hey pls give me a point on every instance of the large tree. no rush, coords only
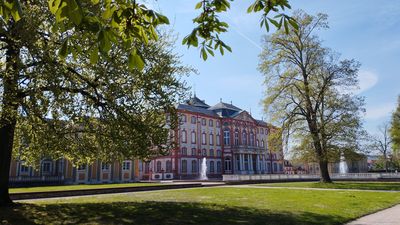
(309, 90)
(395, 130)
(76, 109)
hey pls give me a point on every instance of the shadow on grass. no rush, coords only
(169, 213)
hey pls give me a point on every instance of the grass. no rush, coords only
(223, 205)
(79, 187)
(386, 186)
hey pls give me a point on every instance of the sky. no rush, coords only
(364, 30)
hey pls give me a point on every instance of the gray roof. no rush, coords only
(223, 105)
(195, 101)
(197, 109)
(260, 122)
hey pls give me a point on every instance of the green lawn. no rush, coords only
(388, 186)
(79, 187)
(222, 205)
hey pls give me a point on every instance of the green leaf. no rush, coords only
(203, 54)
(14, 7)
(274, 22)
(285, 23)
(54, 5)
(198, 5)
(135, 60)
(64, 49)
(94, 55)
(95, 2)
(294, 24)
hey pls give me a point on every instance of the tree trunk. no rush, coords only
(8, 120)
(323, 168)
(7, 138)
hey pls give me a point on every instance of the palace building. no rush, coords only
(229, 138)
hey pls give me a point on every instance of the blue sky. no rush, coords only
(365, 30)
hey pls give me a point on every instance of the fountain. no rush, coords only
(203, 169)
(342, 165)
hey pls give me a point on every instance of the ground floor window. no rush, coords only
(158, 166)
(219, 167)
(211, 166)
(227, 164)
(105, 166)
(184, 166)
(169, 166)
(46, 167)
(194, 166)
(126, 165)
(246, 162)
(238, 162)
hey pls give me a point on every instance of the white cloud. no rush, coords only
(367, 79)
(378, 111)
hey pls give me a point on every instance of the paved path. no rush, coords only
(304, 188)
(390, 216)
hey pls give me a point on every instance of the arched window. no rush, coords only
(184, 166)
(251, 139)
(183, 118)
(257, 143)
(246, 162)
(218, 166)
(211, 123)
(262, 143)
(262, 131)
(204, 152)
(146, 167)
(244, 138)
(203, 139)
(184, 151)
(169, 166)
(211, 139)
(228, 164)
(211, 166)
(211, 152)
(218, 139)
(236, 137)
(194, 166)
(184, 136)
(226, 137)
(203, 122)
(158, 166)
(193, 120)
(193, 152)
(193, 137)
(219, 154)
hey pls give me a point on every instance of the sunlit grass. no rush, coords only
(223, 205)
(387, 186)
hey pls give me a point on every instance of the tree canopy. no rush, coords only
(129, 23)
(70, 107)
(309, 90)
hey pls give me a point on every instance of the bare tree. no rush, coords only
(381, 142)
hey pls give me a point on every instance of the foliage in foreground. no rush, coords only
(50, 107)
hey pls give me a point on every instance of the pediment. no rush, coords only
(245, 116)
